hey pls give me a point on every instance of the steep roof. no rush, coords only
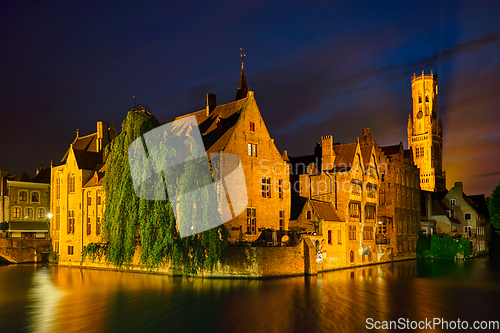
(43, 176)
(325, 210)
(85, 143)
(242, 85)
(344, 155)
(215, 136)
(390, 150)
(88, 160)
(365, 154)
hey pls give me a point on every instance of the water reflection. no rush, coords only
(62, 299)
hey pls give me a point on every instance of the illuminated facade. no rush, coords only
(425, 133)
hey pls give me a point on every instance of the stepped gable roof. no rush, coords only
(325, 210)
(43, 176)
(407, 153)
(215, 137)
(20, 177)
(344, 155)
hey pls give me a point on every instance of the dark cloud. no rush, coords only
(493, 174)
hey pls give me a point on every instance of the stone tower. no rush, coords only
(425, 134)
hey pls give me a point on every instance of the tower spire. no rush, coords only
(242, 85)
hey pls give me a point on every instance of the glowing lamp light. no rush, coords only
(49, 215)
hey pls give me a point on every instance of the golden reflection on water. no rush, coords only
(60, 299)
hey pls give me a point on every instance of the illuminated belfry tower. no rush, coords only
(425, 133)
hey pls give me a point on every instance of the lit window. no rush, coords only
(28, 213)
(453, 202)
(252, 150)
(16, 212)
(23, 196)
(40, 213)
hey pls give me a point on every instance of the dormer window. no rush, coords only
(252, 127)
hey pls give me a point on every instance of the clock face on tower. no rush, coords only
(419, 115)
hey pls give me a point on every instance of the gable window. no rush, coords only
(35, 197)
(28, 213)
(266, 187)
(467, 216)
(16, 212)
(71, 183)
(71, 222)
(252, 149)
(219, 125)
(40, 213)
(252, 127)
(282, 220)
(453, 202)
(251, 221)
(23, 196)
(308, 214)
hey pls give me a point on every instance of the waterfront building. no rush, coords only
(425, 132)
(238, 128)
(25, 205)
(76, 182)
(399, 201)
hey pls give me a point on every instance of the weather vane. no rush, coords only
(242, 54)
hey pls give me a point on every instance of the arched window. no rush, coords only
(16, 213)
(351, 256)
(427, 98)
(35, 197)
(58, 188)
(40, 213)
(28, 213)
(89, 198)
(308, 214)
(23, 196)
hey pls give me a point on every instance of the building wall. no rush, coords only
(268, 163)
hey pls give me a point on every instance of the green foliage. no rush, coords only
(131, 223)
(494, 208)
(446, 247)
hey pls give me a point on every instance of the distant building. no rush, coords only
(456, 214)
(25, 205)
(425, 133)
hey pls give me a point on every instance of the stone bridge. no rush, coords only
(19, 251)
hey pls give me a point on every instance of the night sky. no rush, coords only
(316, 69)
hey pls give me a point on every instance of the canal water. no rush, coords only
(39, 298)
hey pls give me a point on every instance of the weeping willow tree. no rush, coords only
(133, 224)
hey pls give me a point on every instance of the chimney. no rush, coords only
(102, 135)
(211, 103)
(366, 131)
(327, 152)
(459, 185)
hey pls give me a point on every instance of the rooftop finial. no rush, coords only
(77, 133)
(134, 102)
(242, 54)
